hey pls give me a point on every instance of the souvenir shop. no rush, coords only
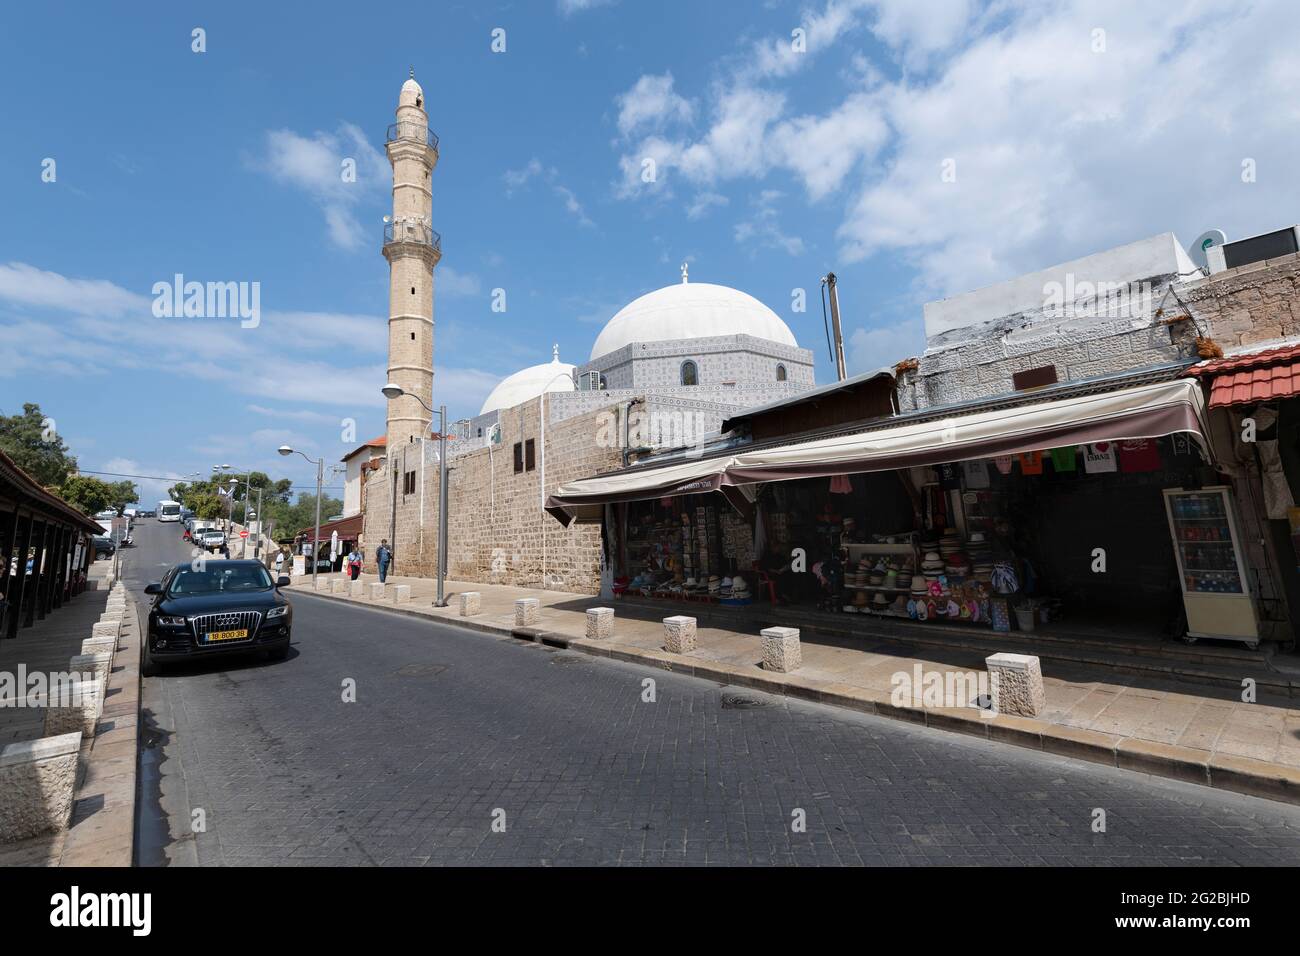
(1020, 517)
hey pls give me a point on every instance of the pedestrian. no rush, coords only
(279, 562)
(383, 558)
(354, 564)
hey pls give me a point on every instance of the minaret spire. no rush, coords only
(685, 278)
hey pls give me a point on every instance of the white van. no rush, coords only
(169, 511)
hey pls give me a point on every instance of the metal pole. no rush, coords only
(835, 325)
(315, 536)
(257, 545)
(442, 506)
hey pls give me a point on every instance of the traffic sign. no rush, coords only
(243, 534)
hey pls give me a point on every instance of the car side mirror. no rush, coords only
(282, 581)
(153, 589)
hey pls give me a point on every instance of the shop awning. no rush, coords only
(349, 528)
(1248, 379)
(585, 500)
(1150, 410)
(1145, 411)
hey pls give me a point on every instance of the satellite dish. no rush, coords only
(1199, 249)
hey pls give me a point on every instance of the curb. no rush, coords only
(1256, 778)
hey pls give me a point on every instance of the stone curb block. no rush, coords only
(38, 779)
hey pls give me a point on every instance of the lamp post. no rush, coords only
(392, 391)
(320, 479)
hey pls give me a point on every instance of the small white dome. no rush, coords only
(528, 383)
(412, 93)
(691, 310)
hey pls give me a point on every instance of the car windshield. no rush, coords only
(210, 580)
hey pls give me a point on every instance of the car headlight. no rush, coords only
(171, 621)
(280, 611)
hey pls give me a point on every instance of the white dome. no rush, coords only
(412, 94)
(691, 310)
(528, 383)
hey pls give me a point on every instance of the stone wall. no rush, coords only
(1240, 309)
(497, 530)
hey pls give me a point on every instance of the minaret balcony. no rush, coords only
(416, 232)
(417, 132)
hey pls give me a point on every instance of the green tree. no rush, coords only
(30, 440)
(87, 493)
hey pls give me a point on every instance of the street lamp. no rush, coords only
(320, 478)
(392, 391)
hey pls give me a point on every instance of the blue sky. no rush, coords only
(773, 167)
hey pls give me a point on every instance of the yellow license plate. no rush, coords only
(226, 635)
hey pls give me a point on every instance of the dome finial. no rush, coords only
(412, 72)
(685, 278)
(555, 352)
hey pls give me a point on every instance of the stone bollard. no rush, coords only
(528, 611)
(357, 588)
(38, 779)
(376, 590)
(96, 665)
(471, 602)
(73, 707)
(1017, 684)
(106, 630)
(401, 593)
(323, 583)
(98, 645)
(339, 586)
(600, 623)
(679, 634)
(781, 651)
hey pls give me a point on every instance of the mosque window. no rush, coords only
(780, 373)
(690, 373)
(519, 457)
(530, 455)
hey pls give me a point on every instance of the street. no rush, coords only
(461, 748)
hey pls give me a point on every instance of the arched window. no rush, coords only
(780, 373)
(690, 373)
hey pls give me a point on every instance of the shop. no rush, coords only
(1100, 509)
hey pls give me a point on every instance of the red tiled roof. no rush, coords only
(379, 442)
(1258, 377)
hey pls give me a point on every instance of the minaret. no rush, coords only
(412, 249)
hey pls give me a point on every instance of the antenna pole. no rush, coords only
(835, 324)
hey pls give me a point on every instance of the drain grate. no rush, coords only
(420, 670)
(741, 702)
(567, 659)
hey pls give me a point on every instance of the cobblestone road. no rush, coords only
(453, 730)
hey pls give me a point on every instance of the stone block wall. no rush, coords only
(497, 530)
(1250, 306)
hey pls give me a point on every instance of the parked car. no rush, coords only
(104, 547)
(224, 607)
(212, 540)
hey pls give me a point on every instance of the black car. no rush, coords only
(104, 547)
(216, 607)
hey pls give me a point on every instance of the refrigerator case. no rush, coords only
(1216, 591)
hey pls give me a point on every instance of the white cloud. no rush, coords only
(1060, 151)
(27, 285)
(570, 7)
(315, 164)
(516, 179)
(763, 227)
(448, 281)
(703, 202)
(652, 103)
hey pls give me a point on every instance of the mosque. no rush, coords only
(665, 370)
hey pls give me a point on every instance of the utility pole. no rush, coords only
(835, 325)
(443, 495)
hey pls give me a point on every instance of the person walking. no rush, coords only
(279, 562)
(354, 564)
(383, 558)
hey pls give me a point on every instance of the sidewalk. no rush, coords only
(102, 829)
(1198, 733)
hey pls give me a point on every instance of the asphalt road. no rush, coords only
(461, 748)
